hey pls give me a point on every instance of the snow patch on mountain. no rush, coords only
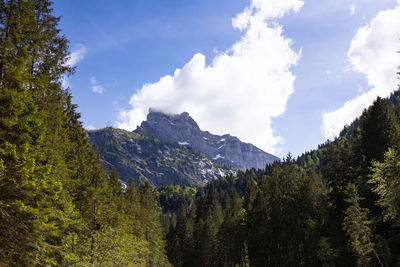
(183, 143)
(218, 156)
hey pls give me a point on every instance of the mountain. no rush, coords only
(225, 149)
(160, 162)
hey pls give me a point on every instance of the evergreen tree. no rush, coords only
(208, 221)
(32, 192)
(286, 218)
(230, 235)
(58, 205)
(180, 238)
(356, 225)
(153, 232)
(380, 130)
(386, 178)
(341, 166)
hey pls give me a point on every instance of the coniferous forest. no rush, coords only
(338, 205)
(58, 204)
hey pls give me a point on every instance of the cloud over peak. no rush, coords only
(240, 91)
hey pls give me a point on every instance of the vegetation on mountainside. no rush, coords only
(334, 206)
(158, 162)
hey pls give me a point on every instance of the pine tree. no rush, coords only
(153, 232)
(380, 130)
(386, 178)
(231, 238)
(58, 206)
(32, 194)
(286, 216)
(356, 225)
(208, 221)
(180, 239)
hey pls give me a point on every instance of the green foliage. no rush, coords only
(170, 197)
(356, 225)
(231, 234)
(306, 212)
(276, 222)
(208, 221)
(380, 130)
(285, 217)
(386, 178)
(58, 205)
(313, 159)
(326, 254)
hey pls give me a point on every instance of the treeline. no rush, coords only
(58, 205)
(338, 205)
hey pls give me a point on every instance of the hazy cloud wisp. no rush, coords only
(96, 88)
(240, 91)
(77, 55)
(353, 9)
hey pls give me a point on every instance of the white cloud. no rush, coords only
(90, 127)
(96, 88)
(353, 9)
(373, 52)
(77, 55)
(360, 89)
(240, 91)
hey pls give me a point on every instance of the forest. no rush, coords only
(338, 205)
(58, 204)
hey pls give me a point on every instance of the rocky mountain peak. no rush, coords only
(182, 129)
(183, 120)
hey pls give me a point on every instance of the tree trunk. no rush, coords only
(94, 229)
(7, 33)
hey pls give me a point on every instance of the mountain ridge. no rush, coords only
(225, 149)
(159, 162)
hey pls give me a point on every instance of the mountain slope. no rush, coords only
(224, 149)
(160, 162)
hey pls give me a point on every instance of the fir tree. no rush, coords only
(58, 205)
(379, 130)
(386, 181)
(356, 225)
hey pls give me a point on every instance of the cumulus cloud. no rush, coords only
(240, 91)
(373, 52)
(96, 88)
(77, 55)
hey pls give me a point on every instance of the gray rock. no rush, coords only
(225, 149)
(159, 162)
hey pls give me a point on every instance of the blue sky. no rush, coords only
(289, 74)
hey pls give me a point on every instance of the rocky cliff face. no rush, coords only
(226, 149)
(159, 162)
